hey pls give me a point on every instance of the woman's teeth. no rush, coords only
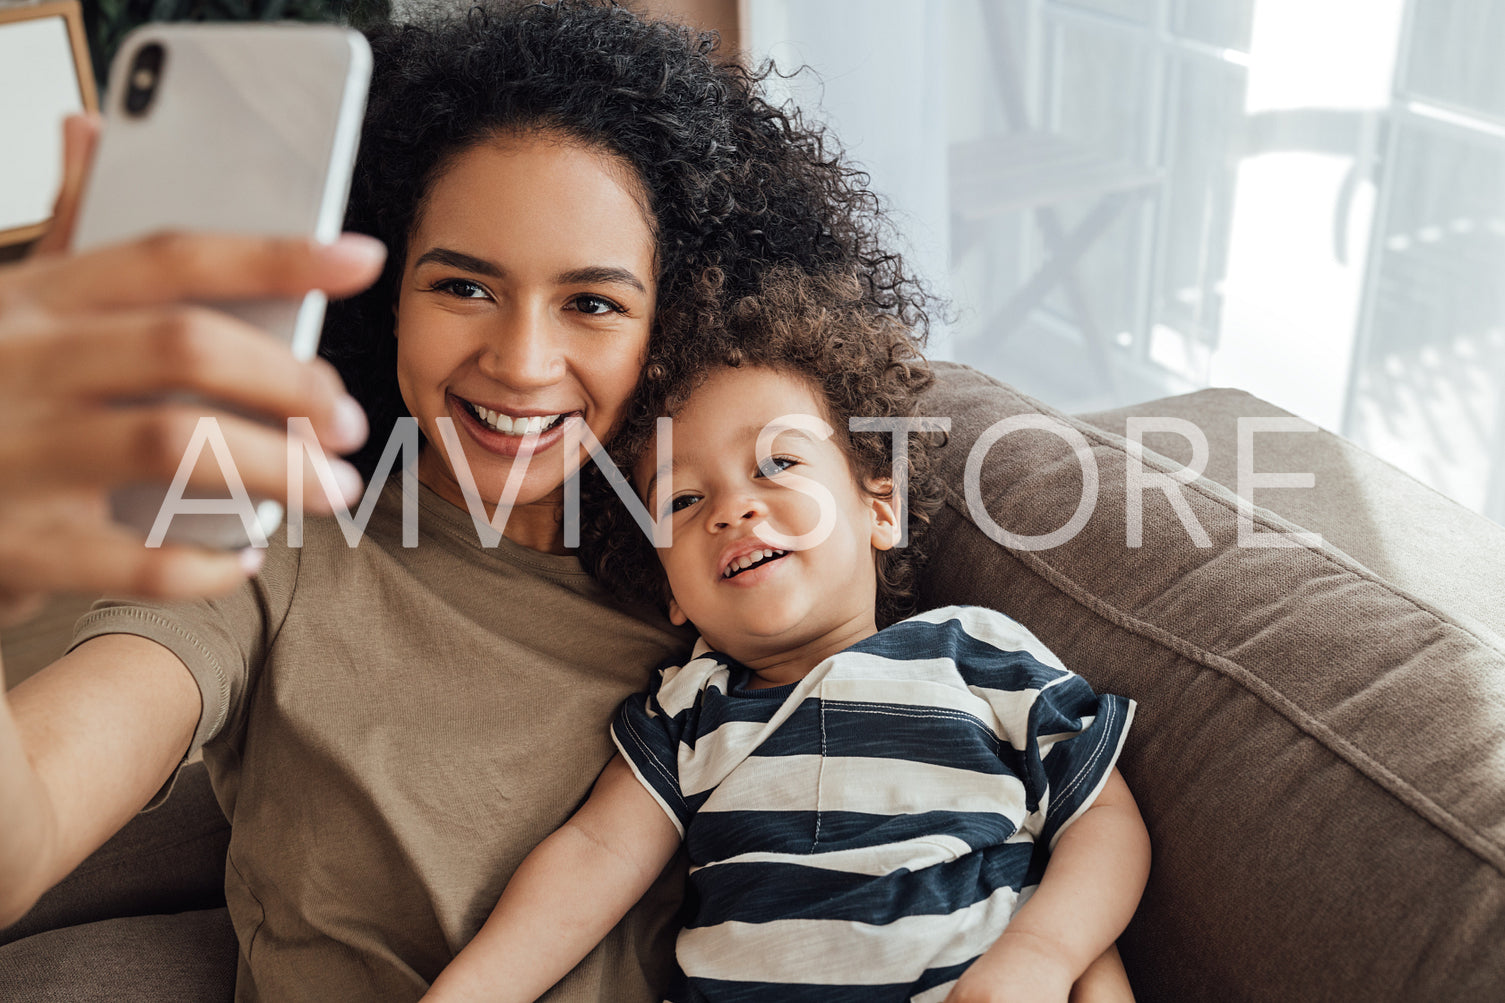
(499, 422)
(748, 560)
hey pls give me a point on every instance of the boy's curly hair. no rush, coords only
(862, 362)
(733, 185)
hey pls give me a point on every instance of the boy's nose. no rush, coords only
(738, 510)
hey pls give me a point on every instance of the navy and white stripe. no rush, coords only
(867, 832)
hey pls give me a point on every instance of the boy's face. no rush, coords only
(764, 561)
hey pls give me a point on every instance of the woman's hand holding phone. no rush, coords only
(91, 344)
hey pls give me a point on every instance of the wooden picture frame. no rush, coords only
(71, 14)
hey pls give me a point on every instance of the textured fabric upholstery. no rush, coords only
(186, 957)
(143, 918)
(1319, 754)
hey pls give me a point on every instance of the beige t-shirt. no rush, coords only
(390, 731)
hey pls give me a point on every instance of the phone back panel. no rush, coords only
(252, 129)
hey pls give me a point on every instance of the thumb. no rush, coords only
(80, 136)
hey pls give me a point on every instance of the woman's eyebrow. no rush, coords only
(595, 274)
(589, 275)
(458, 259)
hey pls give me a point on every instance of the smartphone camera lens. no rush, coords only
(141, 81)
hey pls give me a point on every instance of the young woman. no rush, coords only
(570, 198)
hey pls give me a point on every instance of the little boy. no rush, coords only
(927, 812)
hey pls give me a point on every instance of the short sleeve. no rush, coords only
(648, 737)
(1059, 737)
(220, 641)
(1073, 741)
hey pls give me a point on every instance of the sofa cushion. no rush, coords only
(131, 959)
(1319, 755)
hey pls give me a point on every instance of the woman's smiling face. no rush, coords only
(526, 298)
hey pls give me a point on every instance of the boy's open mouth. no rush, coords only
(507, 425)
(747, 562)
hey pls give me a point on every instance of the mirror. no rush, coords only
(45, 75)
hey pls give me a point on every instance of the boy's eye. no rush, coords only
(594, 306)
(776, 465)
(461, 288)
(683, 502)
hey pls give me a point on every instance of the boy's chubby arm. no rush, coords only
(566, 895)
(1086, 897)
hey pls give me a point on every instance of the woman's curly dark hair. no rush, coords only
(734, 185)
(862, 363)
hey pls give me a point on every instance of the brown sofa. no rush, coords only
(1319, 750)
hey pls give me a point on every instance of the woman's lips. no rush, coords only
(500, 443)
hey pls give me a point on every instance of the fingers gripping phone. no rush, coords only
(248, 129)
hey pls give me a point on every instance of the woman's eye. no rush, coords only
(595, 306)
(776, 465)
(683, 502)
(461, 288)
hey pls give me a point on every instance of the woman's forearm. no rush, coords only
(83, 745)
(24, 825)
(566, 896)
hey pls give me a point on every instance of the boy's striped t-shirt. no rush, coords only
(867, 832)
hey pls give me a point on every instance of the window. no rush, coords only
(1126, 199)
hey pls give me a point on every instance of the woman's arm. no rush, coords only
(84, 744)
(91, 346)
(566, 896)
(1086, 897)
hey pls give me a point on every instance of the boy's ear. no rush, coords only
(676, 615)
(884, 509)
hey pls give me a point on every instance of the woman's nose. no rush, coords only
(523, 350)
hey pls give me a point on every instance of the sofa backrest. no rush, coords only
(1389, 522)
(1319, 755)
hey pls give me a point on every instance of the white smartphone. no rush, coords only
(248, 129)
